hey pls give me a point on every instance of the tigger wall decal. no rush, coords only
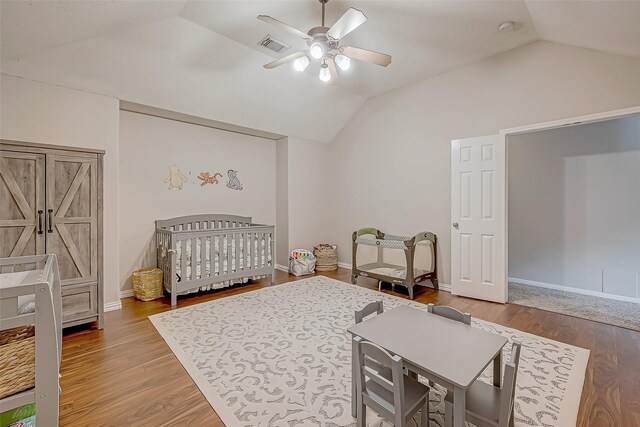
(207, 178)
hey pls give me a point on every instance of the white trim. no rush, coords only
(127, 293)
(444, 287)
(282, 268)
(573, 290)
(573, 121)
(346, 265)
(112, 306)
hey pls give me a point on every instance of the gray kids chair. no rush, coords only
(487, 405)
(398, 399)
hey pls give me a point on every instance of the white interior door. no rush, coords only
(478, 211)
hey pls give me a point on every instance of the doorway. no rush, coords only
(479, 207)
(573, 229)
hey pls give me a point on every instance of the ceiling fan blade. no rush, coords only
(366, 55)
(285, 59)
(283, 26)
(332, 69)
(348, 22)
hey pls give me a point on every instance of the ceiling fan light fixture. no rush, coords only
(316, 50)
(325, 74)
(344, 62)
(301, 63)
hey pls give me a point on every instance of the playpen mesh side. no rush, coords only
(392, 251)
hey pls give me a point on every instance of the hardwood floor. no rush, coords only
(125, 375)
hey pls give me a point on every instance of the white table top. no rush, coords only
(448, 349)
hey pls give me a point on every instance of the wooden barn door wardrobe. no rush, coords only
(51, 203)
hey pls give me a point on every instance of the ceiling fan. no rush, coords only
(324, 45)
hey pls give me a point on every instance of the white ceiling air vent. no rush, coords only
(273, 44)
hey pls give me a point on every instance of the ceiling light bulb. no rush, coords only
(344, 62)
(325, 75)
(301, 63)
(316, 50)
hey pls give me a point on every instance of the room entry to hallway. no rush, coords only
(573, 228)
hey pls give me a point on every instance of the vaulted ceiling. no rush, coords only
(203, 57)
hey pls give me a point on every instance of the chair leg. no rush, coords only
(411, 292)
(424, 414)
(448, 414)
(362, 413)
(512, 418)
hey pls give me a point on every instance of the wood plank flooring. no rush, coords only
(125, 375)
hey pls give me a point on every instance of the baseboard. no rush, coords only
(127, 293)
(445, 287)
(573, 290)
(344, 265)
(282, 268)
(112, 306)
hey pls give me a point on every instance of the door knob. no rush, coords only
(455, 224)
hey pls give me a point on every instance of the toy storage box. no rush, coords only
(302, 262)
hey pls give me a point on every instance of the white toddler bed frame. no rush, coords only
(30, 295)
(219, 250)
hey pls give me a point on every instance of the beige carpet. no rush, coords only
(281, 356)
(618, 313)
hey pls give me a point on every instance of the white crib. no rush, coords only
(202, 252)
(30, 295)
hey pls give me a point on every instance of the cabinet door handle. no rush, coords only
(50, 230)
(40, 212)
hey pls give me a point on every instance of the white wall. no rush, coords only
(47, 114)
(309, 197)
(304, 199)
(390, 165)
(282, 201)
(574, 206)
(149, 145)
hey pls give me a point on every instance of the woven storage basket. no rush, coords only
(326, 257)
(17, 360)
(147, 284)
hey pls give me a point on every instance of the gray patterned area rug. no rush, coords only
(281, 356)
(613, 312)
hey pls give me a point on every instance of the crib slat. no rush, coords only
(214, 257)
(253, 250)
(203, 257)
(258, 255)
(191, 260)
(259, 249)
(245, 253)
(220, 254)
(236, 259)
(183, 260)
(229, 252)
(271, 244)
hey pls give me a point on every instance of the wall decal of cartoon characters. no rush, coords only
(207, 178)
(175, 179)
(233, 182)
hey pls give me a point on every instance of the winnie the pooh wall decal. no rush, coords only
(233, 182)
(207, 178)
(175, 179)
